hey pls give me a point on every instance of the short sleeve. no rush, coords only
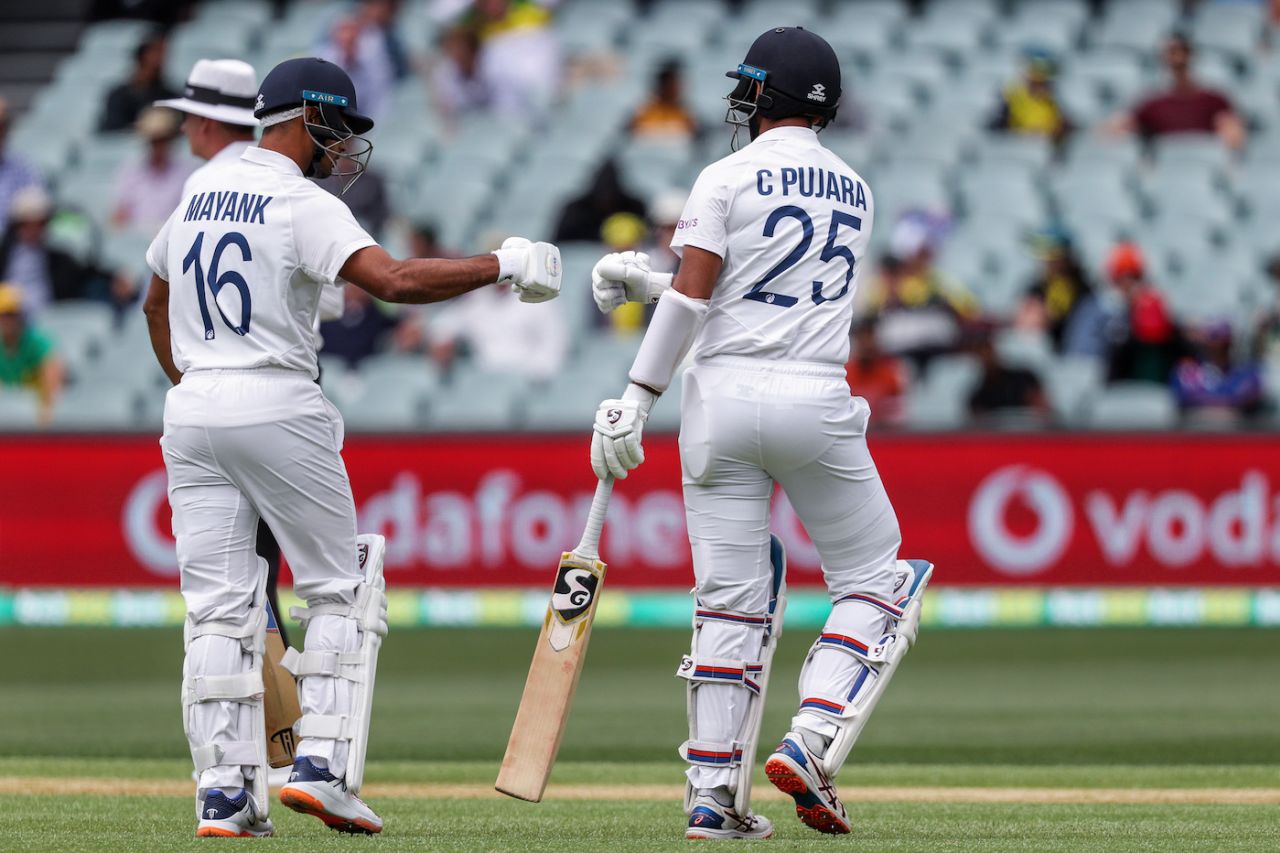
(326, 234)
(705, 221)
(158, 251)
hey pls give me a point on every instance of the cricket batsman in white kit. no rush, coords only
(248, 434)
(772, 241)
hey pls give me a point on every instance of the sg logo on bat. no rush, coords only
(574, 591)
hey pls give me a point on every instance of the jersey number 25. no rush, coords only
(217, 282)
(830, 252)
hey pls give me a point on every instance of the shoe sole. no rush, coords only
(218, 832)
(727, 837)
(304, 803)
(809, 808)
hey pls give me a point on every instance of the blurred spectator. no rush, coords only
(502, 334)
(1001, 388)
(584, 216)
(1031, 105)
(664, 115)
(519, 61)
(43, 274)
(366, 46)
(147, 191)
(1060, 301)
(877, 377)
(363, 329)
(424, 242)
(1208, 384)
(367, 197)
(144, 86)
(456, 84)
(15, 172)
(1149, 342)
(1185, 107)
(27, 357)
(919, 314)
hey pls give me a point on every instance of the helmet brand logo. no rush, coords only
(818, 93)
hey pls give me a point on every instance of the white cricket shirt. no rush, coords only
(793, 223)
(246, 254)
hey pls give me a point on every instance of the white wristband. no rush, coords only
(643, 397)
(510, 263)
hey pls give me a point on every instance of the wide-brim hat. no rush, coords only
(219, 89)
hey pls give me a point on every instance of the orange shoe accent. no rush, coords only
(219, 832)
(817, 817)
(304, 803)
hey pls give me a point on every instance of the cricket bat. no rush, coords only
(280, 698)
(557, 662)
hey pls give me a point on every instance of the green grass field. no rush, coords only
(988, 741)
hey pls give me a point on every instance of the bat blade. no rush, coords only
(279, 700)
(553, 679)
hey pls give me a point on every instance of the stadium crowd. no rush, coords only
(1078, 238)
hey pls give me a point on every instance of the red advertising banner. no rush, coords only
(1048, 510)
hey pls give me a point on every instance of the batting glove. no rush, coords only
(615, 444)
(532, 269)
(625, 277)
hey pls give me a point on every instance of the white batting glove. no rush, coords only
(532, 269)
(625, 277)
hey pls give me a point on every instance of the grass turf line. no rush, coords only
(143, 824)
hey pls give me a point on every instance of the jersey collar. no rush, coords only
(272, 160)
(788, 132)
(232, 151)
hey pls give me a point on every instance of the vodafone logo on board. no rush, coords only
(1236, 527)
(1016, 553)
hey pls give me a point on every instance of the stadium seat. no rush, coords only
(1070, 384)
(1135, 25)
(18, 409)
(1234, 28)
(96, 406)
(1024, 348)
(1133, 406)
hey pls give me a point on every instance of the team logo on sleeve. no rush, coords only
(575, 589)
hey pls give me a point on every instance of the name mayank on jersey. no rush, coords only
(230, 206)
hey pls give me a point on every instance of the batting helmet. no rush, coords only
(788, 71)
(295, 85)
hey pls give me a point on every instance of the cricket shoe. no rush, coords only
(223, 817)
(711, 820)
(794, 769)
(315, 791)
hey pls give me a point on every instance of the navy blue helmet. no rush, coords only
(787, 72)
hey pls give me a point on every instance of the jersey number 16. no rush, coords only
(830, 252)
(217, 282)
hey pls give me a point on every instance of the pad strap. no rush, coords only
(703, 614)
(369, 610)
(348, 665)
(325, 726)
(828, 704)
(880, 604)
(711, 753)
(876, 654)
(251, 633)
(241, 687)
(236, 752)
(721, 671)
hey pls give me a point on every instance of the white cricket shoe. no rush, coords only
(794, 769)
(711, 820)
(224, 817)
(315, 791)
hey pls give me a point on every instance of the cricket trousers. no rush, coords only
(242, 446)
(747, 424)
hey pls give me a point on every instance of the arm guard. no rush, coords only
(671, 332)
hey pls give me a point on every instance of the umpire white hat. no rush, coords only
(219, 89)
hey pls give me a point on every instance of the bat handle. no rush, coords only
(589, 547)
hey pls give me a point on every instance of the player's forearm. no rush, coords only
(419, 280)
(156, 309)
